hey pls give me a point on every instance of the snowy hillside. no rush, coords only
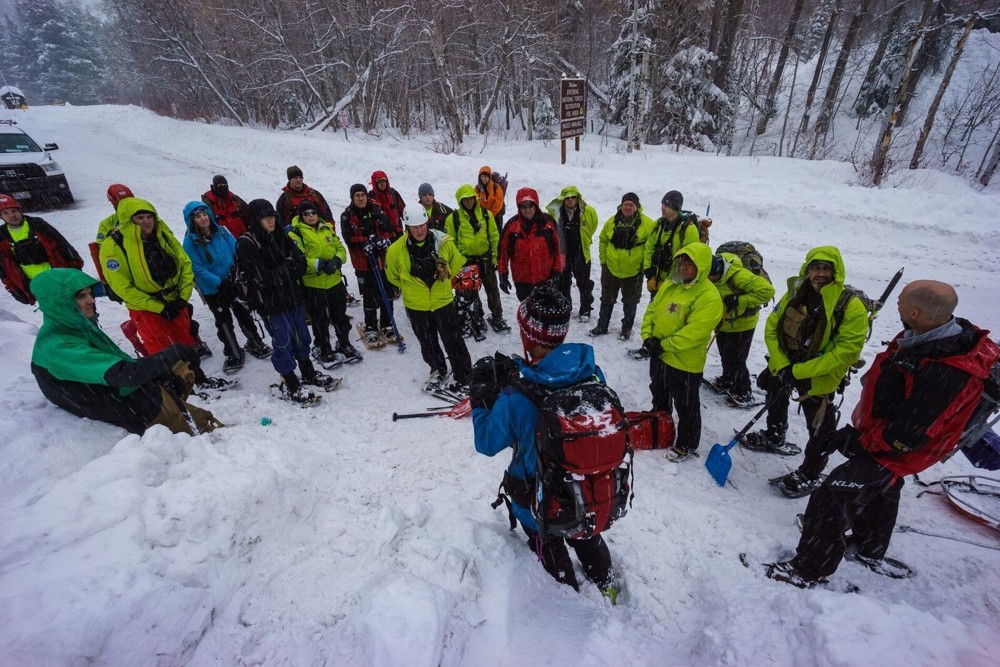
(336, 536)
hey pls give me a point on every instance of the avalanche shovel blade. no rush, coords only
(719, 462)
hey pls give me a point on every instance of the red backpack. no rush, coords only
(584, 460)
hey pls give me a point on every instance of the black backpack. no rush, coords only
(748, 254)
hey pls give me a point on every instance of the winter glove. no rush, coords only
(139, 372)
(370, 244)
(226, 290)
(172, 309)
(764, 379)
(490, 375)
(731, 303)
(652, 346)
(441, 264)
(786, 379)
(652, 285)
(846, 440)
(504, 282)
(330, 266)
(383, 244)
(182, 378)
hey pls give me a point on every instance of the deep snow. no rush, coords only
(336, 536)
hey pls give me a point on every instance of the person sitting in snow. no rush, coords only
(81, 370)
(916, 400)
(505, 417)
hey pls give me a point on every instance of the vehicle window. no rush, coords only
(18, 143)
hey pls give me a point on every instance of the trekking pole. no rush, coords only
(877, 305)
(400, 345)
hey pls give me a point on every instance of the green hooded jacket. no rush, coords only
(68, 345)
(624, 262)
(483, 242)
(825, 371)
(752, 292)
(125, 266)
(316, 243)
(588, 217)
(683, 316)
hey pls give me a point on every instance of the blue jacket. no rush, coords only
(212, 257)
(513, 419)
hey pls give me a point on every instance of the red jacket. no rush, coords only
(916, 401)
(358, 227)
(390, 201)
(288, 204)
(230, 212)
(60, 254)
(531, 249)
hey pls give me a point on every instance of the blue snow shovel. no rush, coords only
(719, 462)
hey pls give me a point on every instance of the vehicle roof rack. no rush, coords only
(7, 121)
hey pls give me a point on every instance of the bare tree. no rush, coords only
(769, 109)
(833, 87)
(817, 73)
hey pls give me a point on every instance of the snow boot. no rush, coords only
(292, 390)
(313, 377)
(603, 320)
(202, 348)
(258, 348)
(796, 485)
(350, 353)
(627, 322)
(786, 572)
(233, 362)
(497, 323)
(769, 440)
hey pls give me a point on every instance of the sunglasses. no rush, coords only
(310, 212)
(526, 206)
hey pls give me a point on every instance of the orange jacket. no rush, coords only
(490, 197)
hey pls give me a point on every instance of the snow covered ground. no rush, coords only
(336, 536)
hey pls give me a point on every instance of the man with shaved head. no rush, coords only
(916, 400)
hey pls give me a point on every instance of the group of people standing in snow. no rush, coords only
(285, 263)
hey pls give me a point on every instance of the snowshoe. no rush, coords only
(322, 380)
(434, 382)
(218, 384)
(764, 441)
(639, 354)
(233, 363)
(479, 329)
(301, 396)
(350, 354)
(887, 567)
(352, 300)
(389, 334)
(677, 454)
(497, 323)
(260, 350)
(370, 338)
(584, 316)
(785, 572)
(598, 331)
(328, 358)
(744, 401)
(719, 385)
(456, 389)
(625, 333)
(795, 484)
(202, 348)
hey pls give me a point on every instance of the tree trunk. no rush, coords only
(817, 74)
(986, 174)
(779, 70)
(925, 131)
(833, 88)
(885, 141)
(726, 43)
(883, 44)
(714, 31)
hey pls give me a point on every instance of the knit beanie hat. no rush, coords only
(261, 208)
(219, 179)
(544, 317)
(358, 187)
(306, 205)
(673, 199)
(293, 172)
(425, 189)
(632, 197)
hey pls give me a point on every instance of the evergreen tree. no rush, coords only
(816, 29)
(625, 67)
(545, 119)
(681, 111)
(876, 92)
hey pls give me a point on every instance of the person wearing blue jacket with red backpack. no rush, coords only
(504, 417)
(212, 249)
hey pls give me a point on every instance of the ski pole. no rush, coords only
(401, 346)
(877, 305)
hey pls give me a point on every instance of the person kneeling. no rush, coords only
(81, 370)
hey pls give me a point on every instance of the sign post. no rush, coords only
(572, 112)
